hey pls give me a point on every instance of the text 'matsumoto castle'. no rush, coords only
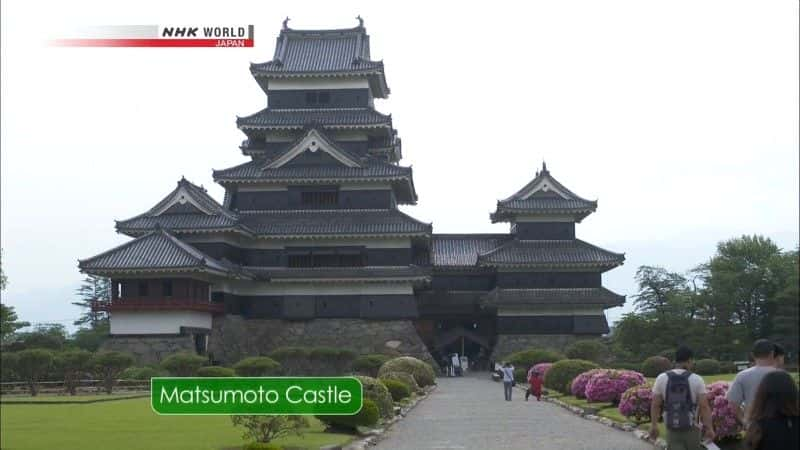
(308, 246)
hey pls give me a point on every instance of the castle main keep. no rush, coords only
(308, 246)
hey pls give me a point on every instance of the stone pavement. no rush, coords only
(470, 413)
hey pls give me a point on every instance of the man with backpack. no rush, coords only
(681, 396)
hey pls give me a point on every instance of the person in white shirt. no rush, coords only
(743, 389)
(670, 392)
(508, 380)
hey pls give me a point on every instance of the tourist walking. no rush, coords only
(779, 357)
(773, 414)
(743, 389)
(456, 365)
(681, 396)
(534, 385)
(508, 380)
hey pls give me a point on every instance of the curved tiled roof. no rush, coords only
(181, 216)
(561, 296)
(254, 171)
(343, 52)
(325, 117)
(550, 253)
(156, 251)
(461, 250)
(283, 223)
(542, 196)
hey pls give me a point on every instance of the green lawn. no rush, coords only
(130, 424)
(69, 398)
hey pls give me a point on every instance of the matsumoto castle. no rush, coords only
(308, 246)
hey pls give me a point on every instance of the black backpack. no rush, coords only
(678, 405)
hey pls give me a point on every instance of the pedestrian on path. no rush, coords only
(743, 389)
(508, 380)
(535, 385)
(681, 395)
(774, 414)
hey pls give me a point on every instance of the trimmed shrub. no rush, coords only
(369, 364)
(293, 360)
(397, 389)
(367, 417)
(72, 364)
(635, 402)
(578, 386)
(655, 365)
(621, 365)
(520, 375)
(32, 365)
(328, 361)
(183, 364)
(257, 366)
(559, 377)
(140, 373)
(609, 385)
(668, 353)
(422, 372)
(592, 350)
(8, 365)
(109, 365)
(377, 392)
(215, 371)
(528, 358)
(402, 377)
(706, 367)
(263, 429)
(727, 367)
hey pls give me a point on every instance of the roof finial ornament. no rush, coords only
(286, 23)
(360, 21)
(544, 166)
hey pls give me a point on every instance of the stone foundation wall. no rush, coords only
(510, 343)
(149, 349)
(233, 338)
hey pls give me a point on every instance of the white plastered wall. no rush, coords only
(157, 322)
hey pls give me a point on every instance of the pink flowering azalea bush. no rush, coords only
(723, 412)
(542, 368)
(635, 402)
(578, 387)
(608, 386)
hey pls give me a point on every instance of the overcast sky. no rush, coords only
(680, 117)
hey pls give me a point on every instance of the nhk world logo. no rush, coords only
(158, 36)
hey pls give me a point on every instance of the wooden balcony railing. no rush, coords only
(158, 304)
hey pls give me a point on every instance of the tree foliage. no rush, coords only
(268, 428)
(747, 290)
(32, 365)
(109, 364)
(9, 324)
(72, 364)
(92, 289)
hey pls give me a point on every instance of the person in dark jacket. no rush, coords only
(773, 421)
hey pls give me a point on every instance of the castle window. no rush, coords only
(311, 98)
(324, 97)
(166, 288)
(319, 198)
(143, 289)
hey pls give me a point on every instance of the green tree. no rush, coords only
(744, 278)
(91, 338)
(183, 364)
(3, 278)
(93, 289)
(658, 290)
(32, 365)
(109, 365)
(9, 323)
(72, 364)
(52, 336)
(786, 324)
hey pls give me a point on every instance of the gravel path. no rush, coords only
(470, 413)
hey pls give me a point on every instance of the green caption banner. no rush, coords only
(257, 395)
